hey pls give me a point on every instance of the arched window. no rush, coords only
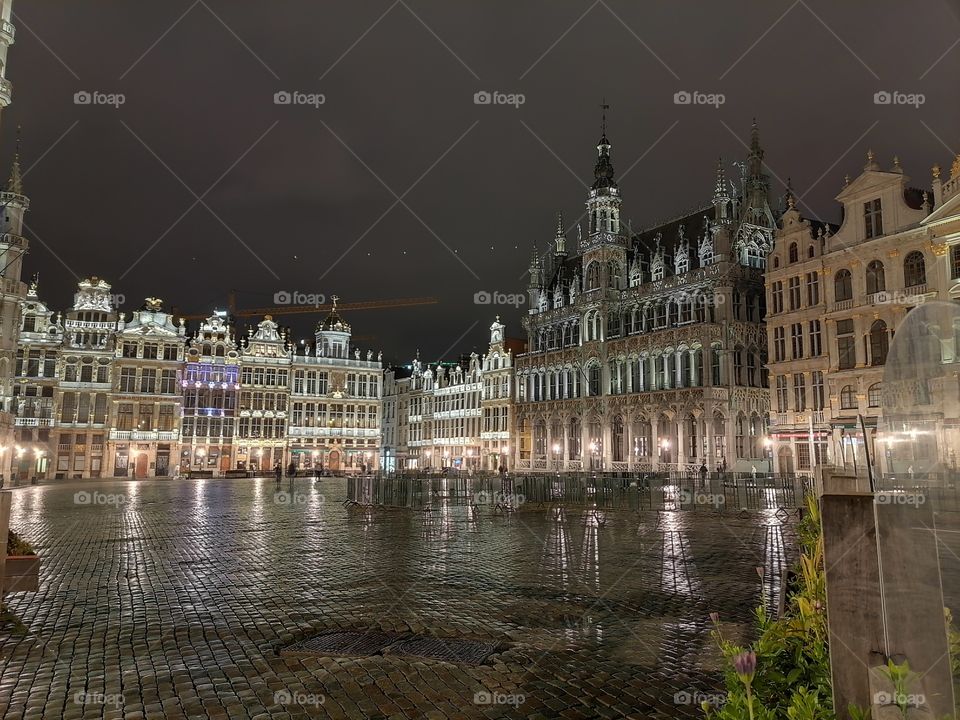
(593, 276)
(776, 261)
(879, 342)
(752, 256)
(843, 285)
(617, 439)
(848, 398)
(876, 281)
(794, 253)
(914, 269)
(594, 375)
(811, 252)
(874, 395)
(574, 439)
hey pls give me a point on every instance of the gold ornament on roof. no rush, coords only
(955, 168)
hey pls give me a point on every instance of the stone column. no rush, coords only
(566, 443)
(629, 448)
(678, 370)
(629, 367)
(711, 460)
(693, 369)
(644, 385)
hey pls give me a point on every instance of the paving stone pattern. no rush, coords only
(176, 602)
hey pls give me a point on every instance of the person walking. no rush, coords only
(703, 475)
(292, 470)
(278, 471)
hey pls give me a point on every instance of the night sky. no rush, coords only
(308, 190)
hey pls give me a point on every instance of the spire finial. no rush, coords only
(15, 183)
(603, 117)
(335, 298)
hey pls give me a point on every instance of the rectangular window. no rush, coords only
(779, 344)
(166, 418)
(846, 345)
(816, 339)
(813, 289)
(955, 262)
(817, 377)
(873, 219)
(796, 340)
(128, 379)
(150, 352)
(168, 381)
(148, 381)
(125, 416)
(778, 297)
(782, 393)
(170, 352)
(799, 392)
(794, 293)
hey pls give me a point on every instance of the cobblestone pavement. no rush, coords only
(175, 602)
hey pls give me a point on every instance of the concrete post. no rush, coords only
(884, 597)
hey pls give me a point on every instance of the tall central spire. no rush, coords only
(603, 170)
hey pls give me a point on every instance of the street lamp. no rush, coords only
(768, 451)
(664, 449)
(429, 454)
(556, 456)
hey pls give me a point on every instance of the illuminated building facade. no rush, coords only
(335, 415)
(146, 403)
(648, 350)
(210, 385)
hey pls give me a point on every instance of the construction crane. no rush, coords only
(279, 310)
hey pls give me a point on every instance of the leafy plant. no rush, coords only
(16, 545)
(791, 678)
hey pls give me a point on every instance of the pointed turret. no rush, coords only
(15, 182)
(603, 201)
(560, 240)
(721, 195)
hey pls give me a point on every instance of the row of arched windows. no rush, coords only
(914, 275)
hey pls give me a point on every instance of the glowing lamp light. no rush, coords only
(556, 448)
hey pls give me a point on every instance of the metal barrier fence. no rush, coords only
(645, 491)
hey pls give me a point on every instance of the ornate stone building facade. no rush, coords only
(451, 415)
(497, 401)
(647, 350)
(335, 400)
(836, 298)
(265, 357)
(211, 385)
(146, 404)
(85, 382)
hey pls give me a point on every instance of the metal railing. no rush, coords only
(722, 492)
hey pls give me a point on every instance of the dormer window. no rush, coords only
(872, 219)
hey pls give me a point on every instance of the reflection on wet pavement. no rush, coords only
(172, 599)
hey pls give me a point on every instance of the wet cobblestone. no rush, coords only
(176, 602)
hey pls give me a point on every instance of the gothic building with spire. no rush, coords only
(647, 349)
